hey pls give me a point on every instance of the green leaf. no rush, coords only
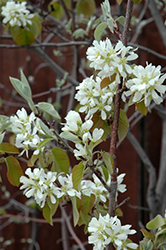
(2, 137)
(137, 1)
(163, 247)
(123, 125)
(108, 160)
(22, 36)
(32, 160)
(46, 130)
(99, 30)
(121, 20)
(87, 203)
(61, 159)
(141, 107)
(14, 170)
(69, 136)
(48, 211)
(49, 108)
(157, 222)
(85, 7)
(77, 174)
(3, 123)
(23, 88)
(146, 245)
(105, 173)
(160, 238)
(44, 143)
(8, 148)
(35, 27)
(79, 33)
(75, 210)
(84, 219)
(5, 126)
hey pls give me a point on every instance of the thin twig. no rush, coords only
(150, 51)
(54, 66)
(28, 218)
(127, 22)
(44, 44)
(123, 202)
(77, 240)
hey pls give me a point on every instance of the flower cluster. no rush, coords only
(41, 185)
(109, 60)
(16, 14)
(114, 62)
(27, 130)
(96, 187)
(80, 134)
(107, 230)
(146, 85)
(94, 99)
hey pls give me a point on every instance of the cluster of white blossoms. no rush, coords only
(80, 134)
(140, 83)
(94, 99)
(27, 130)
(96, 187)
(107, 230)
(41, 185)
(109, 60)
(16, 14)
(146, 85)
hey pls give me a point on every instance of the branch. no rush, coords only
(158, 20)
(25, 218)
(161, 183)
(127, 22)
(55, 67)
(151, 195)
(150, 51)
(45, 44)
(77, 240)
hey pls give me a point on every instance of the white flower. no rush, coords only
(120, 187)
(80, 151)
(66, 188)
(73, 121)
(107, 230)
(146, 85)
(94, 99)
(39, 185)
(97, 134)
(111, 60)
(27, 130)
(15, 13)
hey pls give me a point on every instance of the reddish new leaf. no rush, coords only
(14, 170)
(107, 80)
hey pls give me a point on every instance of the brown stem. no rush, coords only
(113, 149)
(114, 133)
(125, 32)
